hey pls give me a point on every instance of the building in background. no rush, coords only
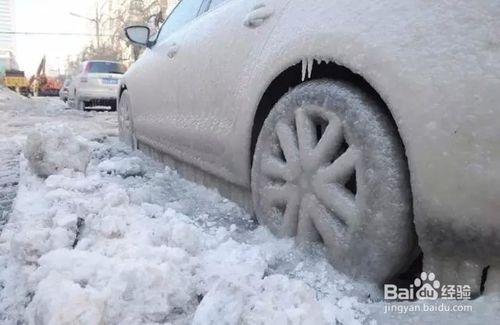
(7, 41)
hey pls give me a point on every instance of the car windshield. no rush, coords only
(106, 67)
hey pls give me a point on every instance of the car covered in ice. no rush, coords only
(371, 127)
(96, 85)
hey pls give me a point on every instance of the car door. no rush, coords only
(152, 82)
(215, 50)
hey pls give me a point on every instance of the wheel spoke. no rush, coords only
(291, 215)
(275, 169)
(278, 194)
(329, 226)
(330, 142)
(288, 142)
(306, 134)
(306, 232)
(341, 170)
(340, 201)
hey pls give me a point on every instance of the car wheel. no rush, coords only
(329, 167)
(79, 104)
(125, 123)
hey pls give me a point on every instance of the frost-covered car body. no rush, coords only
(96, 85)
(201, 93)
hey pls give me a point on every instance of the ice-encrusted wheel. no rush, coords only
(125, 123)
(329, 166)
(79, 104)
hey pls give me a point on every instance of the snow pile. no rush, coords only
(7, 96)
(273, 300)
(51, 149)
(107, 248)
(125, 167)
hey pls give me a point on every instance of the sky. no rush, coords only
(50, 16)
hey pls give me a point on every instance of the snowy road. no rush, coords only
(130, 242)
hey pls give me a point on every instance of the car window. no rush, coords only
(106, 67)
(185, 11)
(216, 3)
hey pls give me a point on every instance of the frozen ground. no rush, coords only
(129, 242)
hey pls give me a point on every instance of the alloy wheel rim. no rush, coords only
(310, 185)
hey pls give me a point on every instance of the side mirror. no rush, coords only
(139, 35)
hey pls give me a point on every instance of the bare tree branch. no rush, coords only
(112, 16)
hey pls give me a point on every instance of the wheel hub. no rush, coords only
(312, 171)
(304, 182)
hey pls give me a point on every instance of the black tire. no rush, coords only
(329, 167)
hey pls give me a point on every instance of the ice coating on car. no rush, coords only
(435, 65)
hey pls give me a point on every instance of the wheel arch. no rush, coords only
(298, 73)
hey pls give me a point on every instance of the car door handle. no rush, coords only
(258, 16)
(172, 50)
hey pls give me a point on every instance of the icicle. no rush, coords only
(307, 68)
(310, 64)
(304, 69)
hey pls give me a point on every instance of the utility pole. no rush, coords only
(97, 21)
(97, 27)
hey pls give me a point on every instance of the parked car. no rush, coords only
(64, 92)
(95, 86)
(369, 127)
